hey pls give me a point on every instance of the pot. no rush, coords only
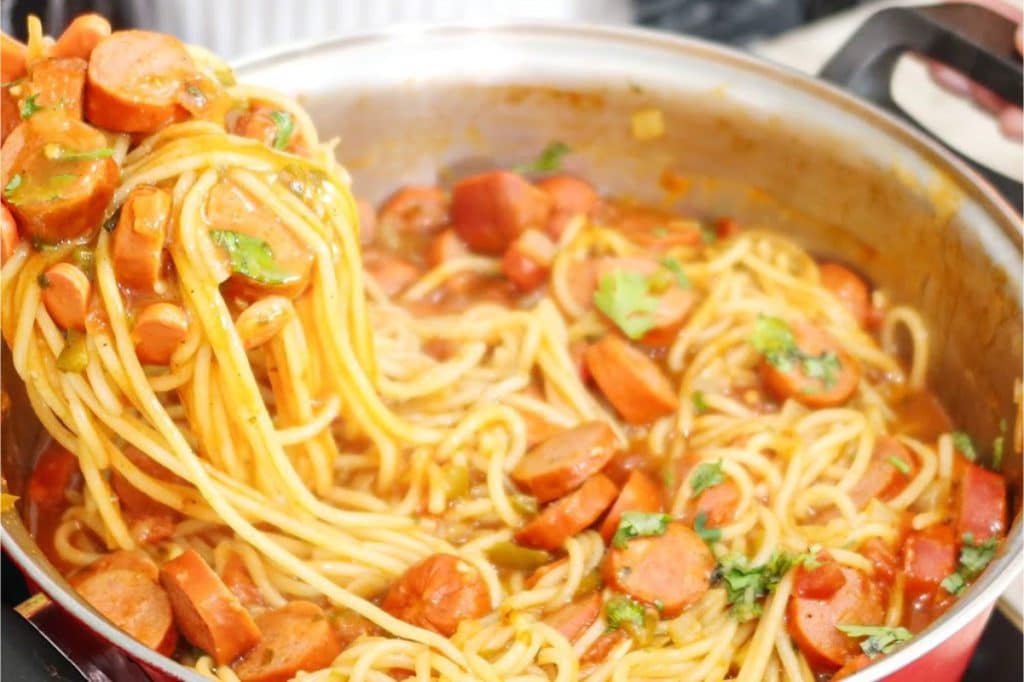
(741, 138)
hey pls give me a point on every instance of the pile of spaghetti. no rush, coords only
(550, 436)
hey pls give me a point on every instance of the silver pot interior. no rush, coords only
(748, 140)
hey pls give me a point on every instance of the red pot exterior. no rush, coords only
(948, 661)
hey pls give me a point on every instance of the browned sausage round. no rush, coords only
(569, 515)
(883, 479)
(670, 571)
(209, 615)
(813, 392)
(9, 238)
(563, 462)
(159, 329)
(134, 81)
(633, 384)
(849, 288)
(575, 617)
(232, 211)
(66, 292)
(132, 601)
(491, 209)
(570, 197)
(56, 84)
(296, 637)
(640, 494)
(812, 622)
(13, 57)
(125, 559)
(438, 593)
(236, 577)
(58, 193)
(416, 208)
(81, 36)
(138, 243)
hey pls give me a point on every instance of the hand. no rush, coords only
(1009, 116)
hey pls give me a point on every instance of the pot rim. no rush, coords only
(982, 594)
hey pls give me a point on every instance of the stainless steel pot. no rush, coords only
(752, 140)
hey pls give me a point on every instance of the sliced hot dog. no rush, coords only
(575, 617)
(632, 383)
(139, 237)
(9, 238)
(882, 558)
(570, 197)
(849, 288)
(159, 329)
(392, 274)
(883, 479)
(812, 622)
(527, 260)
(603, 645)
(52, 476)
(296, 637)
(438, 593)
(61, 194)
(640, 493)
(134, 602)
(981, 504)
(670, 571)
(416, 208)
(928, 557)
(149, 521)
(125, 559)
(13, 56)
(718, 503)
(56, 84)
(563, 462)
(81, 36)
(444, 247)
(569, 515)
(134, 81)
(854, 665)
(793, 381)
(490, 210)
(236, 577)
(820, 582)
(66, 292)
(208, 614)
(231, 211)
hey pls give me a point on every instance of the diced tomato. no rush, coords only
(928, 557)
(52, 476)
(820, 582)
(981, 504)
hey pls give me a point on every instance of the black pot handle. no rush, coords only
(969, 38)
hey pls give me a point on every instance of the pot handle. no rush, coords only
(969, 38)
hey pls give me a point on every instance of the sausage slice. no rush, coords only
(640, 493)
(669, 571)
(416, 208)
(570, 197)
(134, 81)
(66, 292)
(489, 210)
(981, 503)
(296, 637)
(438, 593)
(718, 503)
(883, 479)
(632, 383)
(59, 194)
(13, 57)
(139, 237)
(849, 288)
(57, 84)
(81, 36)
(9, 238)
(159, 329)
(574, 618)
(815, 392)
(563, 462)
(52, 476)
(134, 602)
(569, 515)
(812, 622)
(210, 617)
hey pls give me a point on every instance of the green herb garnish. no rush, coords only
(29, 106)
(550, 159)
(974, 557)
(251, 257)
(58, 152)
(998, 445)
(708, 535)
(746, 586)
(700, 404)
(75, 356)
(625, 298)
(706, 475)
(623, 611)
(676, 268)
(963, 443)
(634, 524)
(13, 184)
(775, 341)
(285, 128)
(900, 464)
(880, 639)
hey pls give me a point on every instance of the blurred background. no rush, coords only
(801, 34)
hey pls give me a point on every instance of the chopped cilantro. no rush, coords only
(43, 281)
(821, 367)
(285, 128)
(196, 93)
(963, 443)
(58, 152)
(900, 464)
(634, 524)
(676, 268)
(624, 297)
(660, 232)
(29, 106)
(251, 257)
(880, 639)
(773, 339)
(998, 445)
(550, 159)
(623, 611)
(699, 403)
(974, 557)
(13, 184)
(746, 586)
(708, 535)
(708, 234)
(706, 474)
